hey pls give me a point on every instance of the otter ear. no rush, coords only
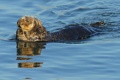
(18, 23)
(37, 22)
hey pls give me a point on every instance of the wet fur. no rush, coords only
(31, 29)
(37, 33)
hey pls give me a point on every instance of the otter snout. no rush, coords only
(26, 23)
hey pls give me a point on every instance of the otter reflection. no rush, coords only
(27, 49)
(29, 64)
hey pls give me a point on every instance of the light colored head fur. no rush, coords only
(27, 23)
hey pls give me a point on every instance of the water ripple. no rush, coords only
(96, 58)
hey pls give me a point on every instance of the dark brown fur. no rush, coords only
(97, 24)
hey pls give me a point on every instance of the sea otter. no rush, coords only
(31, 29)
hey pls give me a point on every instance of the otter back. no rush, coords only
(73, 32)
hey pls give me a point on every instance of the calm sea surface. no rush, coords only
(97, 58)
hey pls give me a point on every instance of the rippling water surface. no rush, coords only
(97, 58)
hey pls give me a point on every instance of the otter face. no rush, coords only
(26, 23)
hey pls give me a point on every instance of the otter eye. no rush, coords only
(21, 24)
(27, 21)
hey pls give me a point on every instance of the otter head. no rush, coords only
(30, 29)
(26, 23)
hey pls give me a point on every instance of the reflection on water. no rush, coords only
(29, 64)
(27, 79)
(27, 49)
(23, 58)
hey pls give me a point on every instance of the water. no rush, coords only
(96, 58)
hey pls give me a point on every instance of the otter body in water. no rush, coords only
(31, 29)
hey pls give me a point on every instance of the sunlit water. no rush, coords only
(97, 58)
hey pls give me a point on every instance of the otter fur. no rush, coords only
(31, 29)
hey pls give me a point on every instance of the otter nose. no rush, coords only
(26, 25)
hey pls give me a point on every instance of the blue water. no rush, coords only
(97, 58)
